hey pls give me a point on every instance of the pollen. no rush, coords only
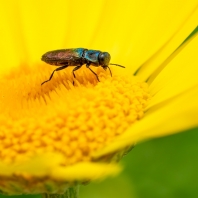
(72, 116)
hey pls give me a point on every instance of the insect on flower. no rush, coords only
(77, 57)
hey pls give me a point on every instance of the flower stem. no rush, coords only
(70, 193)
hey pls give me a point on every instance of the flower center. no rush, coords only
(75, 120)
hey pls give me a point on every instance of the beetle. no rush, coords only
(77, 57)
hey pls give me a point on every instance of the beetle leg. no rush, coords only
(76, 68)
(92, 72)
(60, 68)
(108, 69)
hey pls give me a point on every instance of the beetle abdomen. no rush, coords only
(64, 57)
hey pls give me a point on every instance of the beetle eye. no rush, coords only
(101, 58)
(104, 58)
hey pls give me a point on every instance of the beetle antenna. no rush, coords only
(117, 65)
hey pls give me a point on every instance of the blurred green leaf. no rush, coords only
(165, 167)
(118, 187)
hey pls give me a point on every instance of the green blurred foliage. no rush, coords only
(119, 187)
(165, 167)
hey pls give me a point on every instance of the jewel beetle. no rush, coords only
(77, 57)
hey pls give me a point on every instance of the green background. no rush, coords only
(161, 168)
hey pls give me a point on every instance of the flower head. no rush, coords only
(73, 130)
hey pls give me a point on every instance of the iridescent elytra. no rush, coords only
(77, 57)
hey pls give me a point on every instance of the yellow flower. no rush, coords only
(58, 135)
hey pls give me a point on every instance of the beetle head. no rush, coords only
(104, 59)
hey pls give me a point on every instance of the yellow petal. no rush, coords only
(43, 165)
(131, 36)
(148, 27)
(178, 75)
(45, 173)
(91, 171)
(152, 64)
